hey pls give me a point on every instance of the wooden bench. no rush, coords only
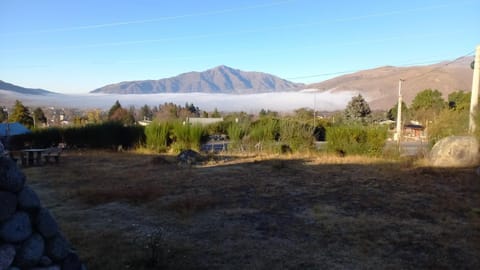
(52, 153)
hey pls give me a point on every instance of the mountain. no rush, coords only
(22, 90)
(380, 85)
(221, 79)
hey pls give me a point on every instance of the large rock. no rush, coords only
(28, 199)
(58, 248)
(17, 228)
(455, 151)
(46, 224)
(188, 157)
(11, 178)
(8, 203)
(72, 262)
(7, 254)
(31, 251)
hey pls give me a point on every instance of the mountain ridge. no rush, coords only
(220, 79)
(23, 90)
(380, 85)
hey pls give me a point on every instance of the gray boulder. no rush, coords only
(72, 262)
(31, 251)
(46, 224)
(188, 157)
(28, 199)
(455, 151)
(11, 178)
(57, 248)
(17, 228)
(7, 254)
(8, 202)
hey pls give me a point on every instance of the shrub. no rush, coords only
(187, 136)
(157, 136)
(356, 139)
(448, 122)
(298, 136)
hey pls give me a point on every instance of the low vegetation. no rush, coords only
(136, 211)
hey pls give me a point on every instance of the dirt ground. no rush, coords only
(136, 211)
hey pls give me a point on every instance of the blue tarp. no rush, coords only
(12, 129)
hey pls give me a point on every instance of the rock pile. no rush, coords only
(29, 235)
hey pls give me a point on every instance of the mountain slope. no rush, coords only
(221, 79)
(22, 90)
(380, 85)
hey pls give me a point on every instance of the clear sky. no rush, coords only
(79, 45)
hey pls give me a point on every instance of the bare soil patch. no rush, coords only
(132, 211)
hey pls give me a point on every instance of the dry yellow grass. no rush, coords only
(265, 211)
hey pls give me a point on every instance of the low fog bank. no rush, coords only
(280, 101)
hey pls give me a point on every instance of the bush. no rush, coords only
(356, 139)
(106, 135)
(187, 136)
(298, 136)
(448, 123)
(157, 136)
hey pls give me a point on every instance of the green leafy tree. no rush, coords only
(21, 114)
(459, 100)
(146, 112)
(427, 104)
(39, 116)
(357, 109)
(392, 113)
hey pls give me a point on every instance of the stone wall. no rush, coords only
(29, 235)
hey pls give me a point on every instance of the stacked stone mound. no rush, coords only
(29, 235)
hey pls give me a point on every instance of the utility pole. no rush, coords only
(314, 108)
(398, 133)
(475, 86)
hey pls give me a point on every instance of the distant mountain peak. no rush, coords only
(220, 79)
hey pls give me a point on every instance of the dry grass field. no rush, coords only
(139, 211)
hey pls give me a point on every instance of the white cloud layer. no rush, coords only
(280, 101)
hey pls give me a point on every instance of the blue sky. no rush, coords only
(77, 46)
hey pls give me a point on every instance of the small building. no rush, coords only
(414, 131)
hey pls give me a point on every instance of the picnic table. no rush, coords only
(32, 156)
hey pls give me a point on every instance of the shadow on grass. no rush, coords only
(276, 212)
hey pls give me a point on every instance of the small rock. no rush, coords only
(28, 199)
(7, 254)
(57, 248)
(72, 262)
(8, 202)
(46, 224)
(17, 228)
(31, 251)
(11, 178)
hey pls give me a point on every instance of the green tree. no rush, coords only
(21, 114)
(392, 113)
(459, 100)
(146, 112)
(115, 107)
(39, 116)
(357, 109)
(427, 104)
